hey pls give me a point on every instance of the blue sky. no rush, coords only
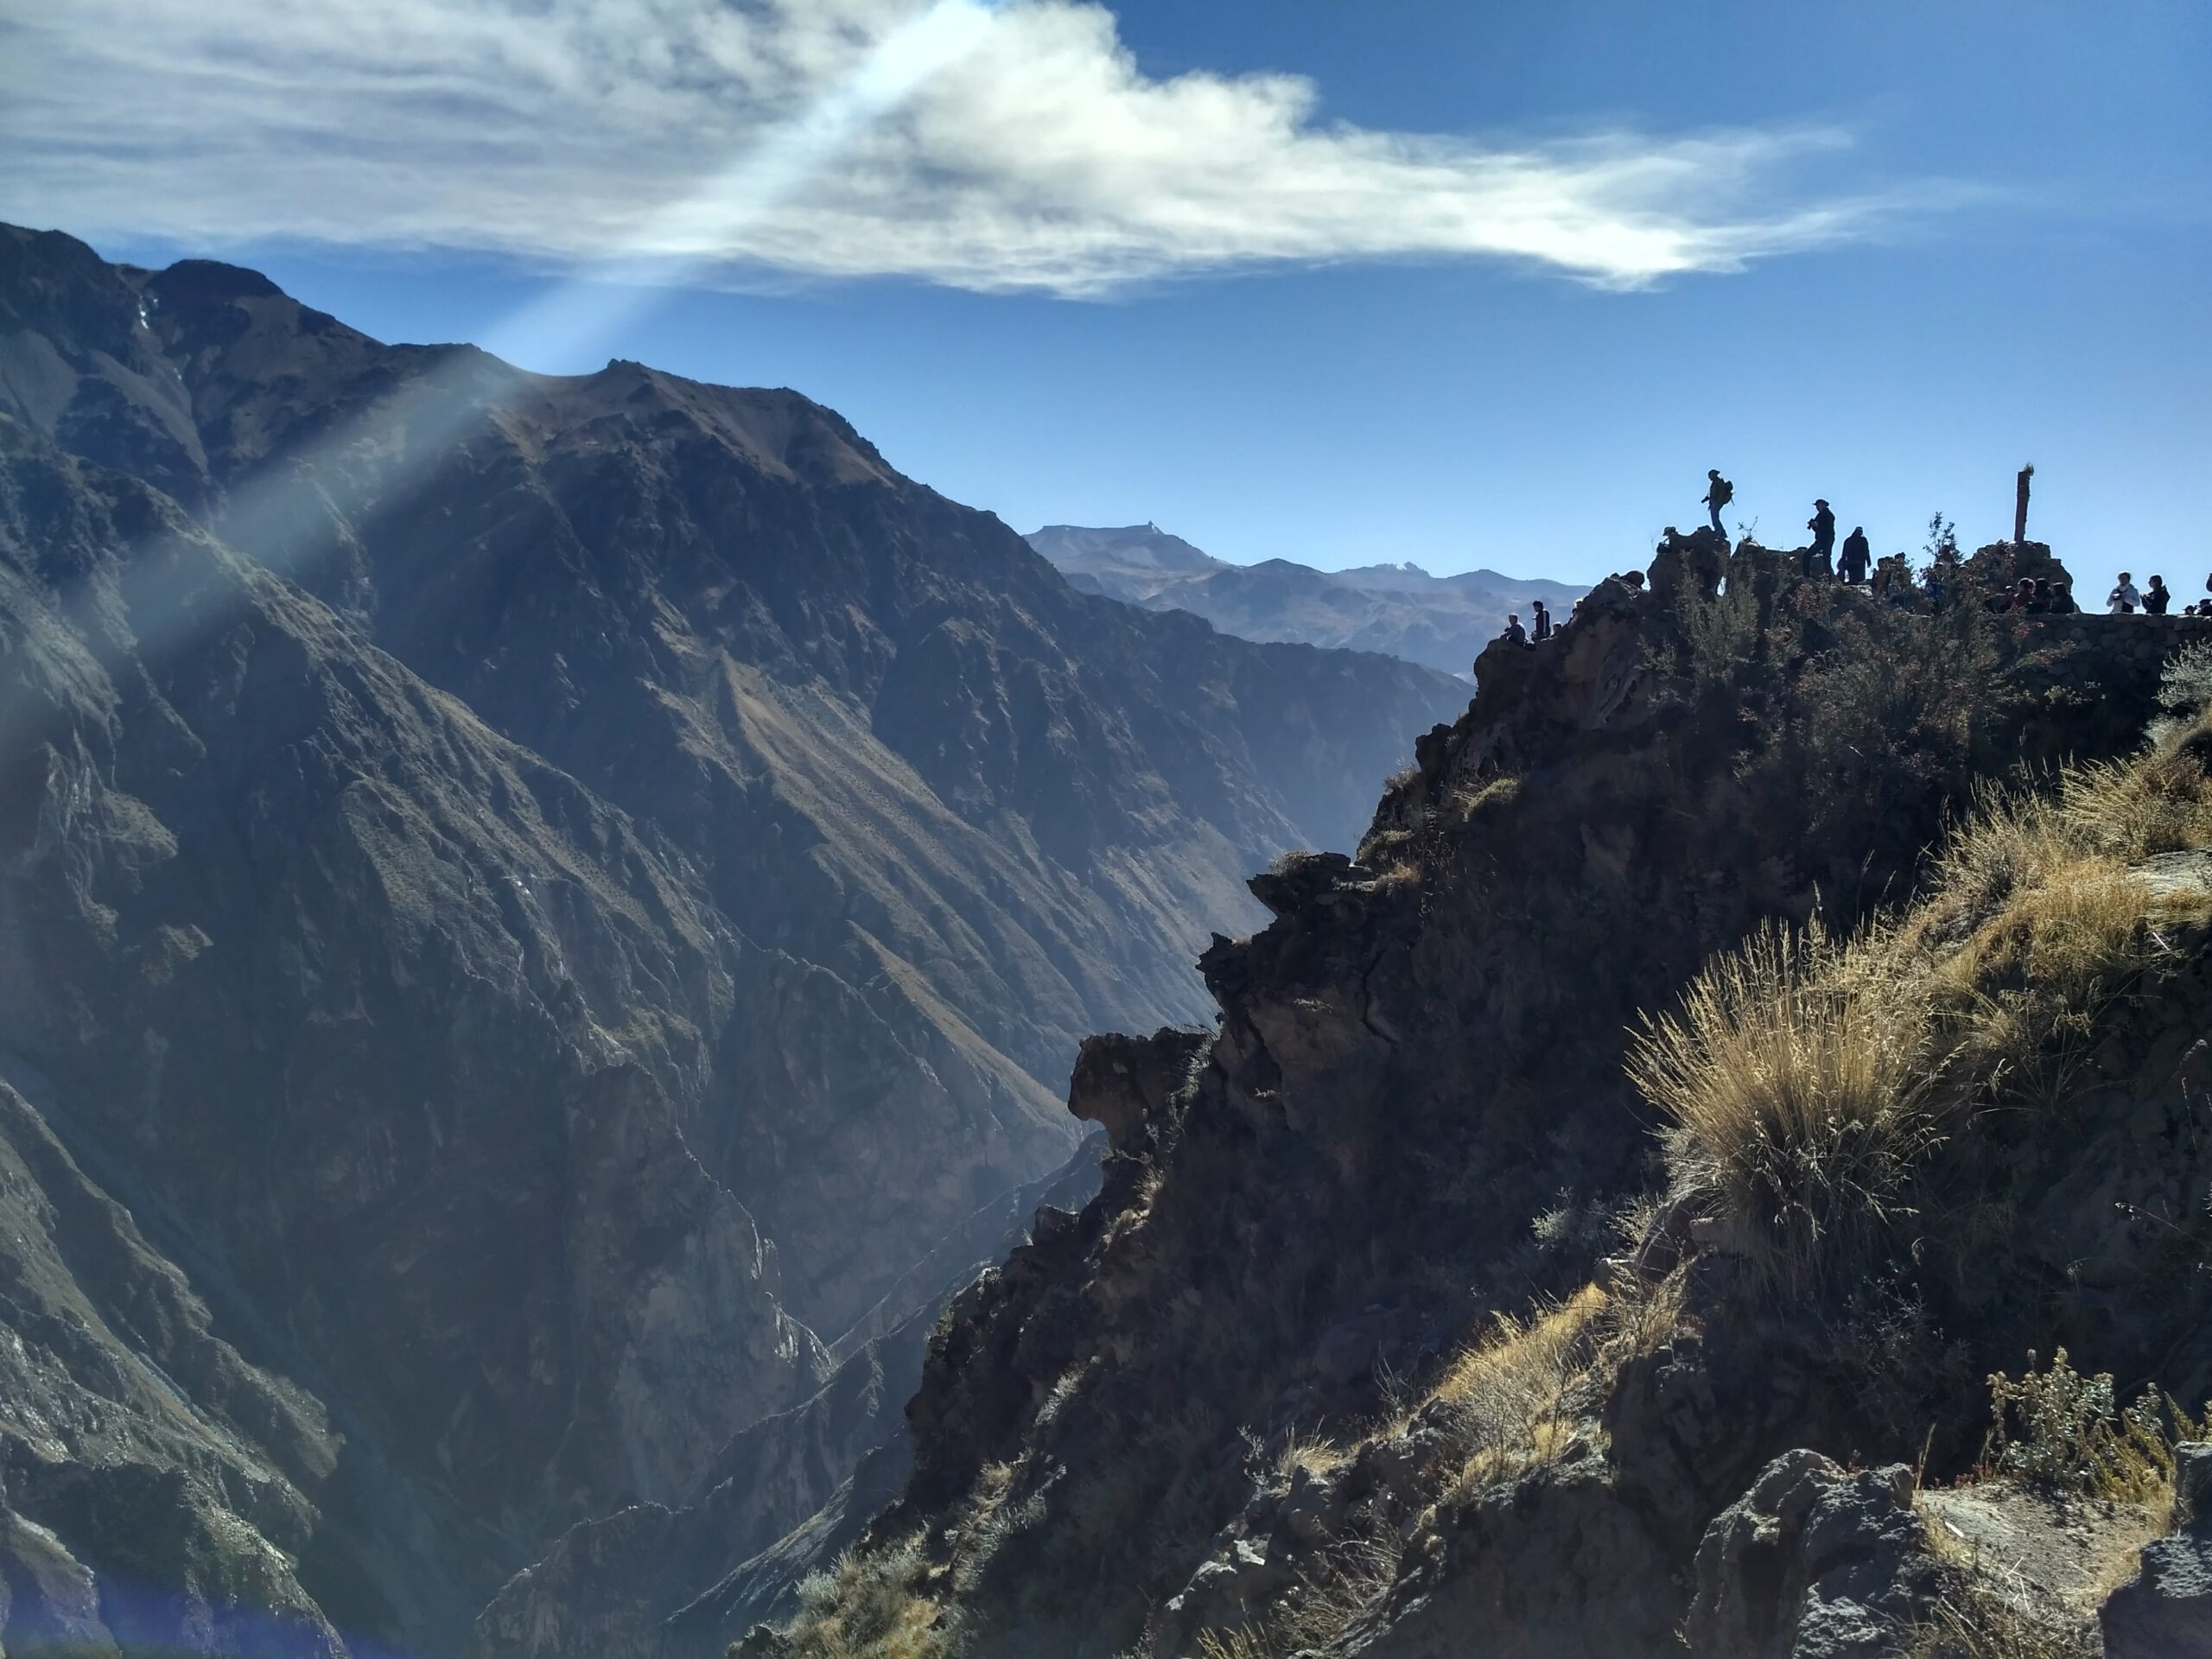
(1901, 249)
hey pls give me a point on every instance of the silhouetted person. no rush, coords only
(1817, 557)
(2123, 600)
(1719, 493)
(2022, 599)
(1543, 628)
(1857, 555)
(1515, 633)
(2158, 596)
(2061, 599)
(2039, 601)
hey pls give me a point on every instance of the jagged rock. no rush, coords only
(2193, 1485)
(1813, 1563)
(2165, 1611)
(1228, 1593)
(1391, 1337)
(1123, 1083)
(1688, 567)
(1555, 1567)
(1301, 879)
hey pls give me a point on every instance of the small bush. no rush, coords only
(2063, 1432)
(1796, 1090)
(2184, 693)
(870, 1605)
(1503, 1399)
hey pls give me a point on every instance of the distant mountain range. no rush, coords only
(1438, 621)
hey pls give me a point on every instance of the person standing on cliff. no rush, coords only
(2123, 601)
(2158, 596)
(1857, 555)
(1719, 493)
(1818, 556)
(1543, 628)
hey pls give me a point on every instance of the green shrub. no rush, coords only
(2063, 1432)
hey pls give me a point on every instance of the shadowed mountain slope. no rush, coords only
(535, 896)
(1557, 1216)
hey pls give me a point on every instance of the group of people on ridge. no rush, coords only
(2154, 601)
(1891, 579)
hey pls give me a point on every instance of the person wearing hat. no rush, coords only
(1820, 554)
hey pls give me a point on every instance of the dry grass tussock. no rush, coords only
(1976, 1625)
(1807, 1078)
(1508, 1403)
(873, 1606)
(1511, 1400)
(1795, 1084)
(1503, 1399)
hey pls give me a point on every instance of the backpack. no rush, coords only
(1722, 492)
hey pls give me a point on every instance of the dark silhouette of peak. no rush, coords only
(205, 280)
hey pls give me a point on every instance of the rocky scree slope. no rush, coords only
(522, 901)
(1396, 1320)
(1442, 622)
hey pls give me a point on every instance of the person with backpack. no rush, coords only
(1857, 555)
(1719, 493)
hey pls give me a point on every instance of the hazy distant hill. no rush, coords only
(1440, 621)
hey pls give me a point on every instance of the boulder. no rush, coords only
(2165, 1610)
(1813, 1563)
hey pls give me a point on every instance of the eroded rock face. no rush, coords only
(1557, 1567)
(1813, 1563)
(2165, 1610)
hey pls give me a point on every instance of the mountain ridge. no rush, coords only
(1441, 622)
(593, 879)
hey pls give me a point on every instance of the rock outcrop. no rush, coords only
(1387, 1326)
(2165, 1610)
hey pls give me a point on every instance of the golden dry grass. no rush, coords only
(872, 1605)
(1503, 1398)
(1794, 1081)
(1806, 1078)
(1975, 1624)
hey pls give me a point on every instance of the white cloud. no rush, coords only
(1001, 148)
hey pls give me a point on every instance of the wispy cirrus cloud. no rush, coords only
(1025, 150)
